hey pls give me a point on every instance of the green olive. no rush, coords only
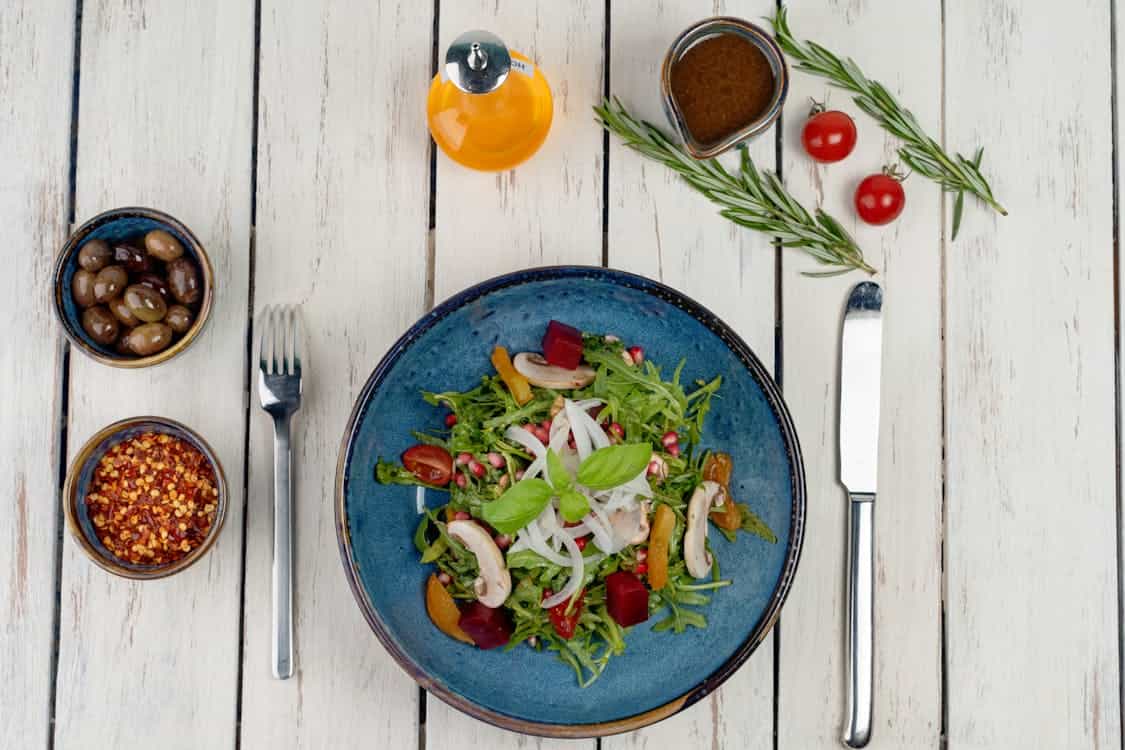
(149, 338)
(95, 255)
(109, 282)
(82, 288)
(121, 311)
(145, 302)
(100, 324)
(179, 318)
(183, 280)
(162, 245)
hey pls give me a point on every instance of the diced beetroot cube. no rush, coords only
(626, 598)
(562, 345)
(487, 627)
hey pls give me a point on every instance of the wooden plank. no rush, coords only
(164, 121)
(1031, 620)
(547, 211)
(659, 227)
(907, 700)
(35, 78)
(343, 183)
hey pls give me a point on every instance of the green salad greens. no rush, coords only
(579, 501)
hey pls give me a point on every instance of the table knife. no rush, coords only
(860, 363)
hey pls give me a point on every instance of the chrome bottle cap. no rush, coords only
(477, 62)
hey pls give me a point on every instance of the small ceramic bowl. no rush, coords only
(114, 225)
(759, 38)
(81, 474)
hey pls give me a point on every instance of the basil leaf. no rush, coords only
(573, 505)
(613, 466)
(518, 506)
(556, 472)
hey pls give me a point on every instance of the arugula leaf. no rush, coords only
(556, 472)
(614, 465)
(518, 506)
(528, 559)
(752, 524)
(434, 551)
(573, 505)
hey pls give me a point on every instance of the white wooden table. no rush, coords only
(291, 137)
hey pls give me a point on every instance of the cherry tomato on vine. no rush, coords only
(879, 199)
(828, 136)
(432, 464)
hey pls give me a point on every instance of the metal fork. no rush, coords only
(279, 388)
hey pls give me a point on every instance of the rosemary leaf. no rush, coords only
(920, 152)
(750, 198)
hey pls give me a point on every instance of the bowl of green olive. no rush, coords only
(132, 287)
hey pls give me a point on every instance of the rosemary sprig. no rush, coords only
(920, 152)
(749, 198)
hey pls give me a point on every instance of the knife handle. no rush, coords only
(860, 614)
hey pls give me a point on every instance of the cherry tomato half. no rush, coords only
(829, 136)
(565, 624)
(432, 464)
(879, 199)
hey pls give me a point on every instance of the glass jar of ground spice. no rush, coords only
(724, 81)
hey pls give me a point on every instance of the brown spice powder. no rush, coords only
(720, 85)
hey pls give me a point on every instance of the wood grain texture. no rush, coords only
(35, 77)
(164, 121)
(661, 228)
(1030, 555)
(546, 211)
(343, 182)
(907, 700)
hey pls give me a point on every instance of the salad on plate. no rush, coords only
(579, 505)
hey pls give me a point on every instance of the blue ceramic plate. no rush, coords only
(525, 690)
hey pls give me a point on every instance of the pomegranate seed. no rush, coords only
(571, 444)
(641, 569)
(504, 481)
(611, 339)
(542, 434)
(673, 449)
(658, 468)
(595, 411)
(617, 430)
(477, 468)
(530, 427)
(450, 420)
(547, 593)
(461, 480)
(625, 355)
(671, 437)
(581, 542)
(503, 541)
(464, 458)
(461, 515)
(519, 475)
(444, 578)
(642, 555)
(637, 354)
(496, 460)
(546, 425)
(532, 641)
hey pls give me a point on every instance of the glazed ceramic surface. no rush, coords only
(659, 673)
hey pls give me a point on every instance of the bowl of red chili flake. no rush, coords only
(145, 497)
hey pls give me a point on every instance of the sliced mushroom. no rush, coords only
(696, 556)
(545, 375)
(630, 525)
(494, 583)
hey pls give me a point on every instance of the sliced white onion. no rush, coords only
(527, 440)
(581, 435)
(587, 423)
(521, 543)
(534, 468)
(538, 542)
(577, 574)
(560, 430)
(588, 403)
(598, 523)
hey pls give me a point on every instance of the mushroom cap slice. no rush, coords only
(630, 525)
(696, 556)
(494, 583)
(545, 375)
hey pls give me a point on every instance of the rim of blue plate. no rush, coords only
(796, 471)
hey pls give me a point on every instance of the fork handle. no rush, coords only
(282, 651)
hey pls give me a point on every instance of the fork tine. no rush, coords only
(265, 350)
(297, 342)
(285, 330)
(278, 340)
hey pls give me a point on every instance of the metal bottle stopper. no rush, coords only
(477, 62)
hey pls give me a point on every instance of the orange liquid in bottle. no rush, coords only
(494, 131)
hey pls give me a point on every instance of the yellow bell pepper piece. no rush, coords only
(517, 384)
(662, 525)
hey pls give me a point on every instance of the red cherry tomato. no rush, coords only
(879, 199)
(565, 624)
(829, 136)
(432, 464)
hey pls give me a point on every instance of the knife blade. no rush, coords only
(861, 350)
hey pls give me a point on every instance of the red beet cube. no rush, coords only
(626, 598)
(487, 627)
(562, 345)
